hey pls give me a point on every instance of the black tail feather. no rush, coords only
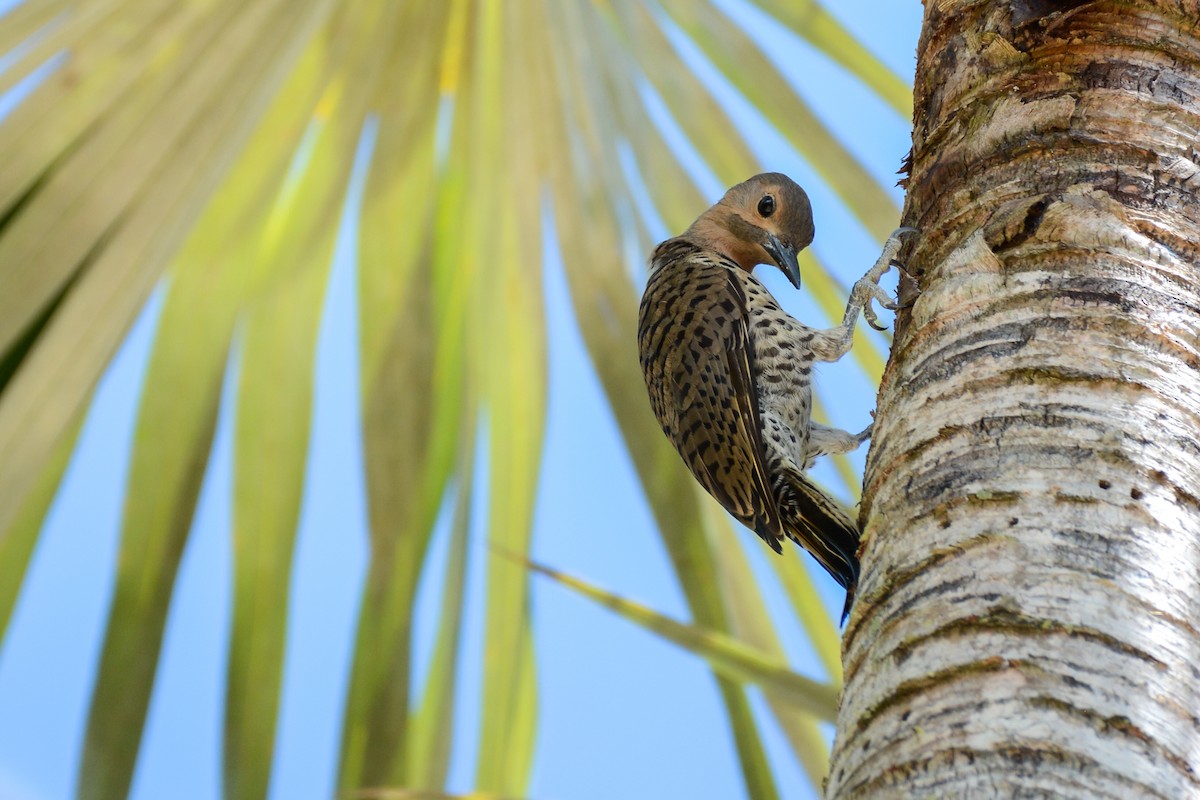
(817, 522)
(849, 601)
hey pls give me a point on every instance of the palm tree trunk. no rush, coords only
(1027, 617)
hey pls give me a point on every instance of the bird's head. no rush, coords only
(765, 219)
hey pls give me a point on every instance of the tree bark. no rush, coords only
(1026, 620)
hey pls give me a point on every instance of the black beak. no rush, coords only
(785, 256)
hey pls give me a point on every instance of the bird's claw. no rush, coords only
(865, 433)
(867, 292)
(890, 249)
(867, 289)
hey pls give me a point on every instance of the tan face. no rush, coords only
(765, 220)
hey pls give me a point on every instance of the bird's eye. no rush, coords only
(766, 206)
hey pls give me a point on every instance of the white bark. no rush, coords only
(1026, 620)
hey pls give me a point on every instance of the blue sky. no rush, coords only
(623, 714)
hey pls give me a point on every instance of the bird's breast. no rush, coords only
(783, 370)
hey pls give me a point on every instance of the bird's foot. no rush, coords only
(890, 248)
(865, 433)
(864, 293)
(867, 288)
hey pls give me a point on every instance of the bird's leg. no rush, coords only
(823, 439)
(832, 344)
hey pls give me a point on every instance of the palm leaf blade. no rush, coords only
(730, 657)
(213, 142)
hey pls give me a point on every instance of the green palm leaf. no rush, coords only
(728, 656)
(207, 148)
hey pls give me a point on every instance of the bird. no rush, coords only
(729, 373)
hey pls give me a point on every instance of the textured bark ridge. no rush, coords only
(1027, 615)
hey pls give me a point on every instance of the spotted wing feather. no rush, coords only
(698, 362)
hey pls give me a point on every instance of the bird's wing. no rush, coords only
(707, 399)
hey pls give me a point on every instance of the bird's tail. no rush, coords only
(817, 522)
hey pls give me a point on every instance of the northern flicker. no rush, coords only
(730, 373)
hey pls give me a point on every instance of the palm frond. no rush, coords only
(209, 148)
